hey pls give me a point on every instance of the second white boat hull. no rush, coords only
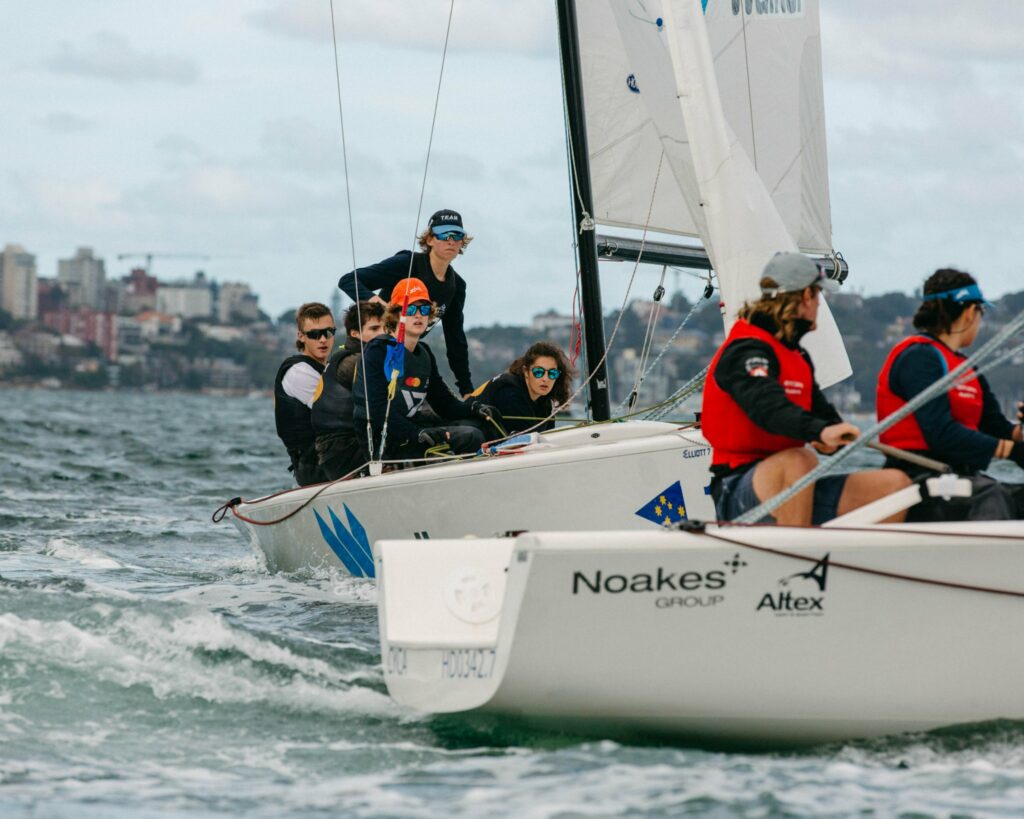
(639, 474)
(689, 635)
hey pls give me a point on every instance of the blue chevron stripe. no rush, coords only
(354, 537)
(336, 546)
(358, 531)
(352, 548)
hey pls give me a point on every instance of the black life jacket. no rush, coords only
(332, 402)
(507, 392)
(291, 416)
(412, 386)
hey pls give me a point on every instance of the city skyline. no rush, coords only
(214, 131)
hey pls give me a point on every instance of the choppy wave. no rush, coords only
(149, 664)
(198, 655)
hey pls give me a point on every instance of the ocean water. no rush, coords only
(150, 666)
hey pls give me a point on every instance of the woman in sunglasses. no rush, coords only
(440, 243)
(454, 425)
(534, 384)
(965, 427)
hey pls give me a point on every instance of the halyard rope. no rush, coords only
(419, 207)
(351, 230)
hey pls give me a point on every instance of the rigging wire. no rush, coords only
(645, 348)
(351, 230)
(622, 310)
(750, 96)
(665, 348)
(419, 206)
(692, 386)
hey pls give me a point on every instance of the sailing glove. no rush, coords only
(1017, 454)
(433, 436)
(486, 412)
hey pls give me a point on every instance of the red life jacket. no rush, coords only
(965, 399)
(734, 438)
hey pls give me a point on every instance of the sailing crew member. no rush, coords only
(440, 243)
(295, 384)
(409, 432)
(340, 447)
(964, 427)
(534, 385)
(762, 405)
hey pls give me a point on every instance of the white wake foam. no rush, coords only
(177, 658)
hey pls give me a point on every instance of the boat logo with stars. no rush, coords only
(667, 508)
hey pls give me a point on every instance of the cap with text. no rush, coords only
(409, 291)
(446, 221)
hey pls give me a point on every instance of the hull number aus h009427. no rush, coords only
(468, 663)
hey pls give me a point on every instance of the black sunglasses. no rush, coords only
(316, 335)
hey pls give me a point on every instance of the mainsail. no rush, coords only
(733, 102)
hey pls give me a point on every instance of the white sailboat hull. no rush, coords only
(572, 629)
(595, 476)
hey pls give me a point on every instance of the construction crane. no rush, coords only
(149, 256)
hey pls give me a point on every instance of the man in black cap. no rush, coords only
(443, 240)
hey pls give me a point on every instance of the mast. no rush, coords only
(583, 206)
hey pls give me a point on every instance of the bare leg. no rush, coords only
(864, 487)
(780, 471)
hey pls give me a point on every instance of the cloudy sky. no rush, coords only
(213, 129)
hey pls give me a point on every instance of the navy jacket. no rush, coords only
(967, 450)
(449, 296)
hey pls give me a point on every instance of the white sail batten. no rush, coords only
(741, 226)
(768, 67)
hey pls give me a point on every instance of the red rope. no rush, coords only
(576, 331)
(221, 511)
(879, 572)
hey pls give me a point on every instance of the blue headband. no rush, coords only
(960, 295)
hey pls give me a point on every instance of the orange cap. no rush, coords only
(412, 289)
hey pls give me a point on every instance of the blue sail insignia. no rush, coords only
(667, 507)
(350, 544)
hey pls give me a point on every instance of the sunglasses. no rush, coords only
(326, 332)
(538, 372)
(422, 309)
(451, 235)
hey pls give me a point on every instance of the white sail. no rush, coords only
(738, 220)
(767, 59)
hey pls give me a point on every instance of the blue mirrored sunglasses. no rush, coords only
(538, 372)
(451, 235)
(422, 309)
